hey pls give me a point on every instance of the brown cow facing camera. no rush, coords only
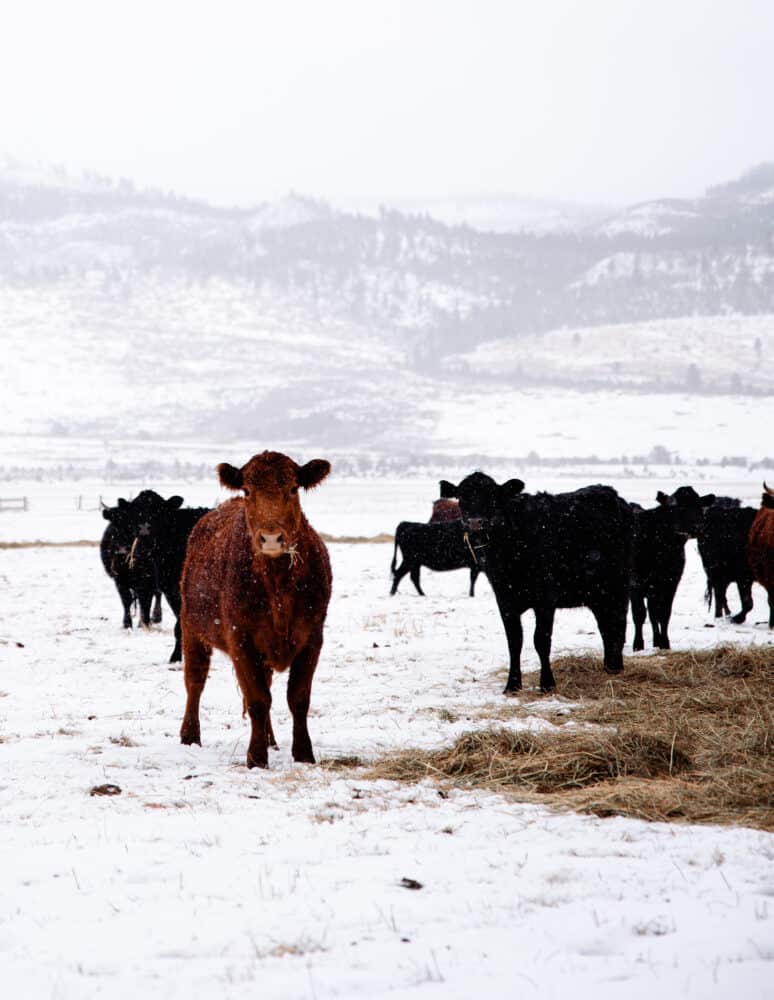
(256, 584)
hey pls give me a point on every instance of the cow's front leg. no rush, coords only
(544, 627)
(299, 692)
(513, 632)
(252, 676)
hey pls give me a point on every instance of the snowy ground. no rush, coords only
(205, 880)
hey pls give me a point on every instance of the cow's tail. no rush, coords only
(708, 594)
(394, 562)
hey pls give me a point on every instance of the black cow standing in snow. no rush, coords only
(659, 558)
(545, 552)
(440, 546)
(135, 579)
(160, 535)
(722, 541)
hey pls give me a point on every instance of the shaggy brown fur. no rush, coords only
(256, 584)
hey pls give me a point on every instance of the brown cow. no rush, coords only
(256, 584)
(445, 510)
(760, 547)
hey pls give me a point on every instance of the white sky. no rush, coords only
(593, 100)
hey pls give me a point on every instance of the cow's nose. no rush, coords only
(272, 543)
(476, 524)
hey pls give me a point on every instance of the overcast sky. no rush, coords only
(593, 100)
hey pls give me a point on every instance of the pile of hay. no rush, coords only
(681, 736)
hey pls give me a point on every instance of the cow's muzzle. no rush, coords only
(272, 543)
(476, 538)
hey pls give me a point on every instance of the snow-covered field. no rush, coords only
(204, 879)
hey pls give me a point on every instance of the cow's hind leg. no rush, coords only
(255, 681)
(414, 572)
(397, 576)
(299, 692)
(744, 587)
(611, 622)
(638, 617)
(474, 571)
(144, 599)
(156, 613)
(270, 738)
(720, 599)
(197, 666)
(660, 611)
(173, 599)
(544, 627)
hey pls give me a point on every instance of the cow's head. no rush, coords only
(118, 515)
(270, 482)
(121, 522)
(151, 516)
(483, 504)
(686, 509)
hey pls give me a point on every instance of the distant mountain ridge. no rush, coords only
(430, 288)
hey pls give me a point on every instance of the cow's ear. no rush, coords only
(122, 503)
(174, 503)
(511, 489)
(107, 513)
(313, 473)
(662, 498)
(448, 490)
(707, 500)
(230, 476)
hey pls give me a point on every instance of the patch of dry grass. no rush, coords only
(681, 736)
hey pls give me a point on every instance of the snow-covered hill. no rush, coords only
(396, 340)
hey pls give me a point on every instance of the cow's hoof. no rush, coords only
(176, 657)
(190, 734)
(304, 758)
(253, 761)
(637, 647)
(613, 671)
(512, 689)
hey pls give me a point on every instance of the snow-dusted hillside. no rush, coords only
(395, 342)
(731, 354)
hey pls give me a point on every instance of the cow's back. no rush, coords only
(590, 530)
(570, 547)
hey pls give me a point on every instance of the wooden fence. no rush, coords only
(14, 503)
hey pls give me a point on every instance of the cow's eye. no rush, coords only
(294, 490)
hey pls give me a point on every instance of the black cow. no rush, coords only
(135, 579)
(440, 546)
(659, 558)
(161, 531)
(546, 552)
(722, 541)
